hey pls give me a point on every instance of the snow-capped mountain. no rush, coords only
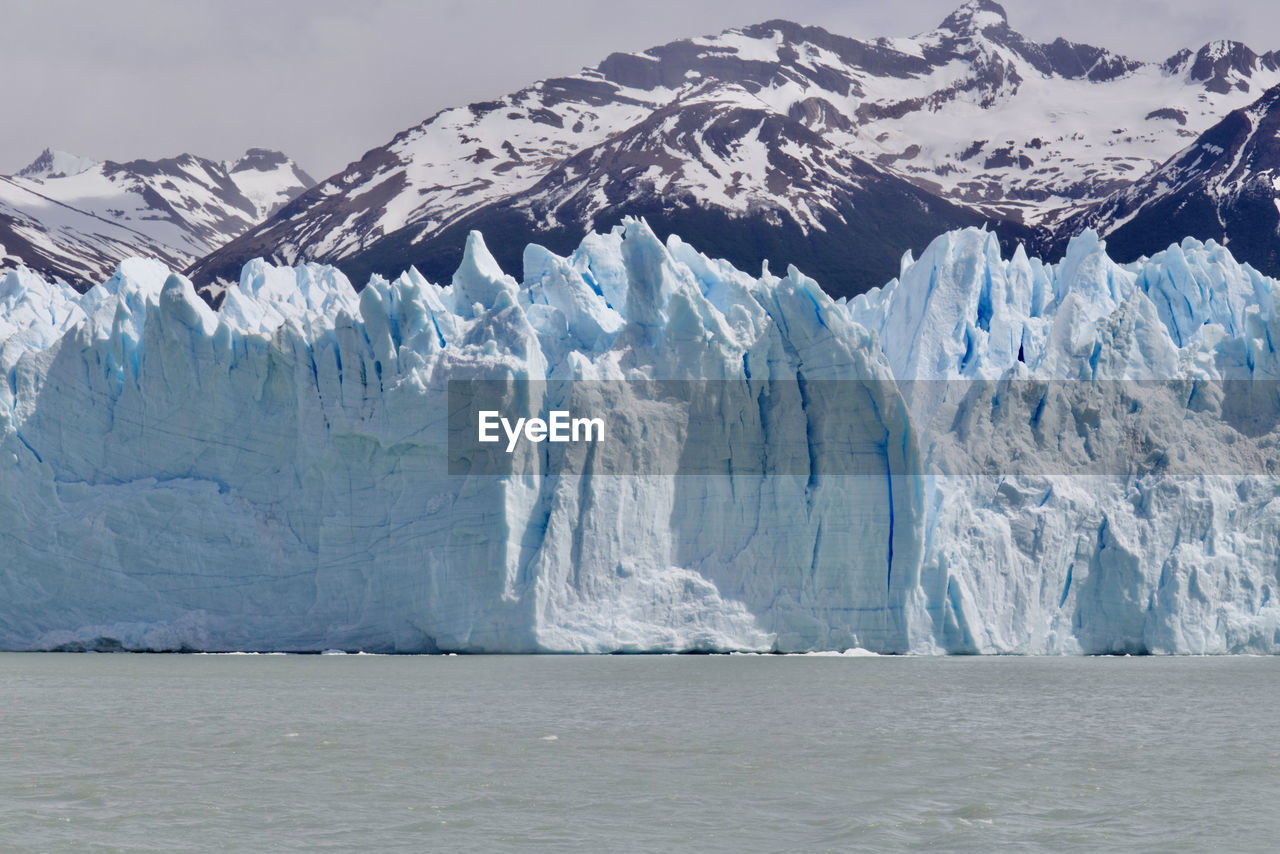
(62, 241)
(1060, 124)
(74, 217)
(53, 163)
(798, 138)
(1224, 187)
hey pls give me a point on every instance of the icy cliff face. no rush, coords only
(1092, 535)
(274, 475)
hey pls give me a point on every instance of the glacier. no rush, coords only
(276, 475)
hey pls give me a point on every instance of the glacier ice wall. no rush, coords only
(273, 475)
(1175, 548)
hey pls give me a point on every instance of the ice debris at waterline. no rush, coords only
(272, 476)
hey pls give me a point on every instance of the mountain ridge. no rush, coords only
(729, 131)
(775, 142)
(76, 217)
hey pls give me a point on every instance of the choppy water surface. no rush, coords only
(260, 753)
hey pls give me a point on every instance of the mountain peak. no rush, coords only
(53, 163)
(976, 16)
(1222, 65)
(262, 159)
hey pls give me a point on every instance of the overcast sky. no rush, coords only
(325, 80)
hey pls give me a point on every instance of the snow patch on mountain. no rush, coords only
(82, 217)
(53, 163)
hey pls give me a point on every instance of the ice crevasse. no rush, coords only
(273, 476)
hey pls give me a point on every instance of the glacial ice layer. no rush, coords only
(275, 475)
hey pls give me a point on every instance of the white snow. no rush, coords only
(79, 241)
(55, 162)
(89, 215)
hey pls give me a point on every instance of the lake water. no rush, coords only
(104, 753)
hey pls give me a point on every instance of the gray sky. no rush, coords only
(325, 80)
